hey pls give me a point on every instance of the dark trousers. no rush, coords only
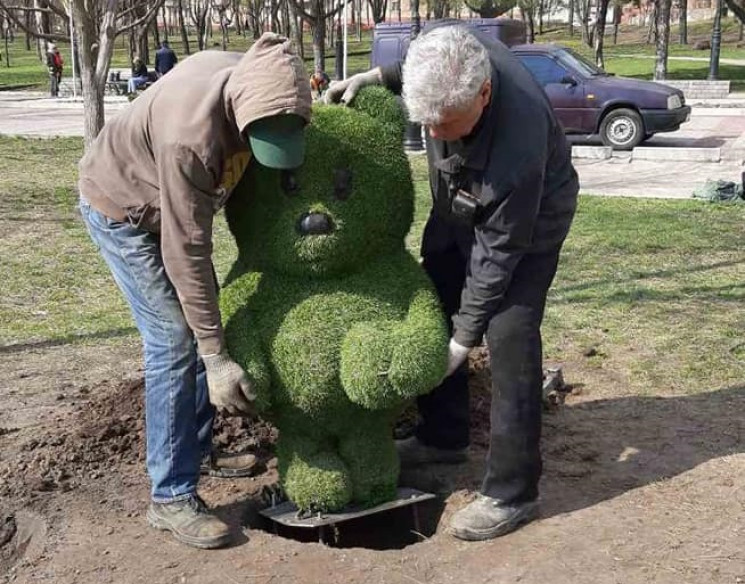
(54, 81)
(513, 465)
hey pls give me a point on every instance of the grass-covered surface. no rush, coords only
(656, 286)
(341, 328)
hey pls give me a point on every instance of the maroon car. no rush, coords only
(587, 100)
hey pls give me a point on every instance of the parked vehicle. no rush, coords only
(623, 112)
(587, 100)
(391, 39)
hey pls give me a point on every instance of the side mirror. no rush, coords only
(568, 80)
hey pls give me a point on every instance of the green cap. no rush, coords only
(278, 141)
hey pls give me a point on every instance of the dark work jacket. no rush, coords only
(139, 70)
(165, 60)
(518, 163)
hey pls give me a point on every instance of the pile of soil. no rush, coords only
(104, 435)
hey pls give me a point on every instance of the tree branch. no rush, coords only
(302, 12)
(146, 19)
(34, 33)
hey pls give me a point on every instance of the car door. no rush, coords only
(566, 98)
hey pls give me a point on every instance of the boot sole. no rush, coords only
(197, 542)
(526, 515)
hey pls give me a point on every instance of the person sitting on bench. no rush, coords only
(139, 76)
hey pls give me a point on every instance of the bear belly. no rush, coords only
(306, 348)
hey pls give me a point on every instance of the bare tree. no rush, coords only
(225, 15)
(96, 28)
(601, 14)
(662, 39)
(683, 22)
(583, 11)
(571, 16)
(378, 8)
(489, 8)
(255, 12)
(316, 14)
(199, 11)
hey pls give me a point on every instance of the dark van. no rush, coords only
(587, 100)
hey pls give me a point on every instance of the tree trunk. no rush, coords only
(28, 21)
(602, 14)
(541, 9)
(663, 38)
(42, 26)
(182, 28)
(296, 29)
(94, 64)
(6, 34)
(318, 30)
(683, 22)
(652, 30)
(359, 20)
(585, 17)
(156, 33)
(166, 23)
(571, 17)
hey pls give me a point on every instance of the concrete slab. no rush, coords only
(677, 154)
(624, 177)
(592, 152)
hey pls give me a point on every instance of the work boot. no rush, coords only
(412, 452)
(486, 518)
(229, 466)
(190, 522)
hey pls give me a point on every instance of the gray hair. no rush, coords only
(444, 69)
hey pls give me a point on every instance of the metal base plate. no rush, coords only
(286, 513)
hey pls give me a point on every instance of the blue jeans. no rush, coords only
(134, 83)
(178, 414)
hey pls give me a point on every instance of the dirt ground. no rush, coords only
(635, 490)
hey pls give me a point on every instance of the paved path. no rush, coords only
(722, 60)
(30, 113)
(714, 123)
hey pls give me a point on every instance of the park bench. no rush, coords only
(116, 83)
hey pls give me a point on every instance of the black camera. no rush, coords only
(463, 205)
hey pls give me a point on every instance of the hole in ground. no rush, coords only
(386, 530)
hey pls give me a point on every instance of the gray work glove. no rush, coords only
(343, 91)
(229, 387)
(457, 354)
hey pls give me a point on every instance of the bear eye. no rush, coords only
(288, 182)
(342, 183)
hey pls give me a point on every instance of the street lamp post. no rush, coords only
(716, 42)
(413, 135)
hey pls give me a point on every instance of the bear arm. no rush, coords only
(420, 352)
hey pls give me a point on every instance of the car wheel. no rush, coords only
(622, 129)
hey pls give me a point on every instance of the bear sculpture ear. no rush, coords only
(382, 105)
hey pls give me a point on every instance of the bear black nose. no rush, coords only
(315, 224)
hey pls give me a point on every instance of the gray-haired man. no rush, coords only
(504, 194)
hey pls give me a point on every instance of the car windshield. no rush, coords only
(578, 63)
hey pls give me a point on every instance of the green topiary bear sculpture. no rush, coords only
(332, 318)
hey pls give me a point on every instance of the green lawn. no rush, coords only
(28, 71)
(656, 285)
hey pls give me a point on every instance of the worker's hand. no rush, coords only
(457, 354)
(343, 91)
(229, 387)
